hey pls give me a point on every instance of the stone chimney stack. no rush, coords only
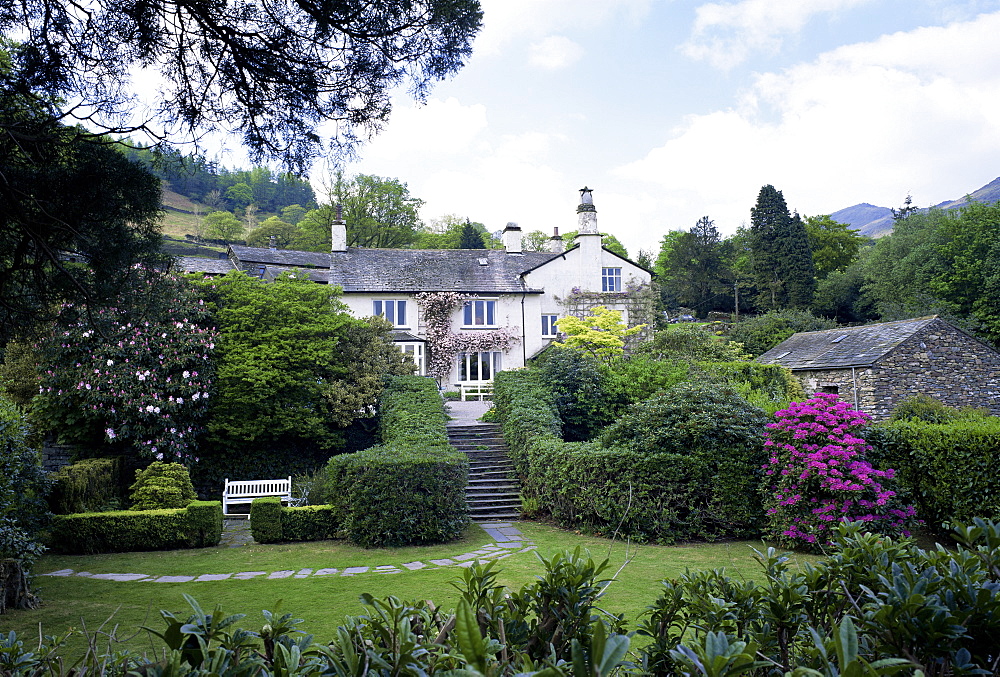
(512, 238)
(556, 244)
(338, 232)
(586, 213)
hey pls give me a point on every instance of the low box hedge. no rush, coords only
(410, 489)
(198, 525)
(271, 522)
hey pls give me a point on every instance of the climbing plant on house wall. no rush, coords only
(443, 344)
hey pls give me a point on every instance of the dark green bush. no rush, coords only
(663, 495)
(410, 489)
(691, 343)
(949, 471)
(265, 520)
(127, 530)
(86, 486)
(23, 485)
(579, 391)
(161, 485)
(639, 377)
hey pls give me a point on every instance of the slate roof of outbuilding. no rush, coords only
(846, 346)
(405, 270)
(197, 264)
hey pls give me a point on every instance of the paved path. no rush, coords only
(507, 541)
(465, 413)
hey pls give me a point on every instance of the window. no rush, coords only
(415, 351)
(611, 279)
(549, 325)
(478, 366)
(479, 314)
(394, 311)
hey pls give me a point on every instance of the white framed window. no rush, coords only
(415, 351)
(479, 366)
(394, 311)
(611, 279)
(479, 313)
(549, 325)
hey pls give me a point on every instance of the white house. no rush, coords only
(524, 293)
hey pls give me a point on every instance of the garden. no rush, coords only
(659, 481)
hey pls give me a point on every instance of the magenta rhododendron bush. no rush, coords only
(818, 475)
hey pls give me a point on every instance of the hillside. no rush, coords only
(876, 221)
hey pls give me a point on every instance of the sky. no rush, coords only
(671, 110)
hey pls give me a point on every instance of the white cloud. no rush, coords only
(508, 20)
(727, 34)
(872, 121)
(555, 52)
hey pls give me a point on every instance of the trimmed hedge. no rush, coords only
(660, 496)
(199, 525)
(271, 522)
(949, 471)
(410, 489)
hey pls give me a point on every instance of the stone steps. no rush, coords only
(492, 492)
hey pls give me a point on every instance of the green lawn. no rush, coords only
(324, 601)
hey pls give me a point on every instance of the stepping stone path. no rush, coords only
(508, 540)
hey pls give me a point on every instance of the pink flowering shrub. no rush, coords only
(142, 386)
(818, 475)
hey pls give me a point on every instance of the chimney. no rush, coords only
(512, 238)
(273, 244)
(338, 233)
(586, 213)
(556, 244)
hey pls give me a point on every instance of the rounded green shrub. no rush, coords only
(89, 485)
(161, 485)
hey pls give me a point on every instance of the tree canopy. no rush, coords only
(269, 70)
(782, 260)
(78, 220)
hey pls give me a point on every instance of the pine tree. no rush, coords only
(471, 238)
(782, 259)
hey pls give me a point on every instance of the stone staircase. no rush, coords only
(492, 493)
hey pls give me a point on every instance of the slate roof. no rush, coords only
(846, 346)
(198, 264)
(406, 270)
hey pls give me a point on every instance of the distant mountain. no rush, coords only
(877, 221)
(868, 219)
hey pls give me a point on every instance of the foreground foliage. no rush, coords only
(874, 606)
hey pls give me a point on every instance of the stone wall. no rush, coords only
(55, 456)
(944, 363)
(939, 361)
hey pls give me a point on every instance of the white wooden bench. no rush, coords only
(245, 491)
(476, 389)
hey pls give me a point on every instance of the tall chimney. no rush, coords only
(586, 213)
(512, 238)
(338, 232)
(556, 244)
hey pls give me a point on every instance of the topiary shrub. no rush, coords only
(410, 489)
(265, 520)
(90, 485)
(161, 485)
(819, 475)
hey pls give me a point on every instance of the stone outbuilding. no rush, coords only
(878, 365)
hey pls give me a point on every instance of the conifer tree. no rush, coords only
(782, 260)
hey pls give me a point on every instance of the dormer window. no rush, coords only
(611, 279)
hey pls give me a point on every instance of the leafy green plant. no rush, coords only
(88, 485)
(161, 485)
